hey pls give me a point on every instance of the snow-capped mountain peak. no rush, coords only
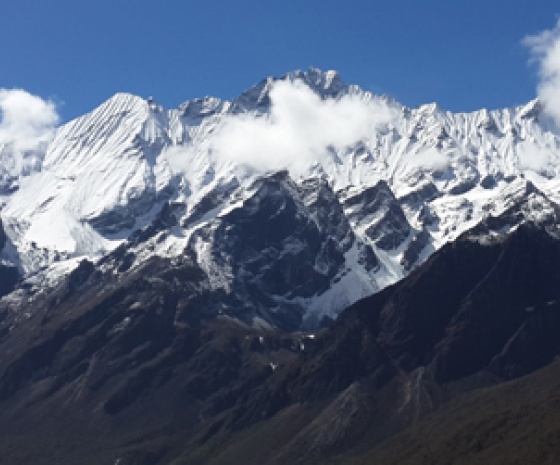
(363, 209)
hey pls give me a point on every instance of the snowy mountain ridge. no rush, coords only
(348, 222)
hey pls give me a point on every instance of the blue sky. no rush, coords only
(464, 54)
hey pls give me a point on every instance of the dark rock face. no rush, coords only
(3, 237)
(463, 186)
(199, 108)
(488, 182)
(531, 204)
(114, 221)
(212, 200)
(124, 217)
(79, 276)
(412, 253)
(9, 275)
(425, 193)
(258, 96)
(317, 80)
(286, 241)
(388, 227)
(534, 345)
(524, 275)
(416, 317)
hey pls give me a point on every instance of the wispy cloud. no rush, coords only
(532, 157)
(545, 51)
(27, 124)
(299, 129)
(429, 158)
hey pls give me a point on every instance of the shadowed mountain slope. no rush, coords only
(140, 368)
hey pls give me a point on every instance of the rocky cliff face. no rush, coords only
(9, 274)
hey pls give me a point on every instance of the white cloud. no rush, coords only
(27, 124)
(178, 158)
(299, 129)
(429, 158)
(545, 51)
(532, 157)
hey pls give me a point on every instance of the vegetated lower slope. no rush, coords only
(141, 369)
(514, 423)
(391, 360)
(510, 423)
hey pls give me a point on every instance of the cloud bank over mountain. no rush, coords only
(545, 51)
(299, 129)
(27, 124)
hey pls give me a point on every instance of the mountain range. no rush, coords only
(164, 302)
